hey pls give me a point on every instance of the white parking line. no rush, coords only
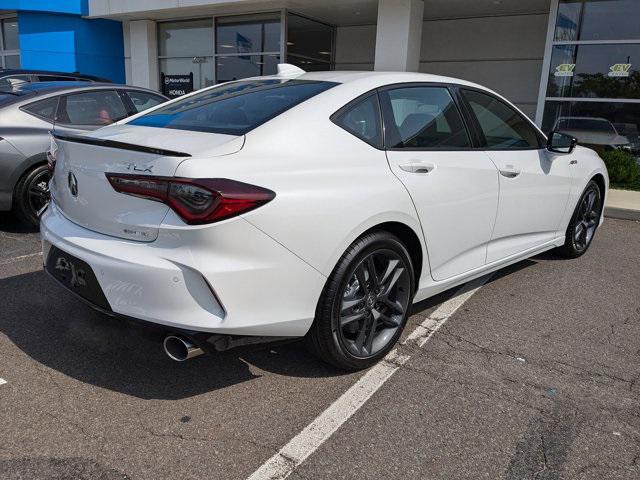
(21, 257)
(283, 463)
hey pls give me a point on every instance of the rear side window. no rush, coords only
(503, 127)
(96, 107)
(235, 108)
(423, 118)
(362, 119)
(143, 100)
(45, 109)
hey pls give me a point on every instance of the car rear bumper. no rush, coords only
(230, 278)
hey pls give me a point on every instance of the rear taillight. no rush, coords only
(197, 201)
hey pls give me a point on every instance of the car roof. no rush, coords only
(22, 71)
(382, 78)
(42, 88)
(24, 93)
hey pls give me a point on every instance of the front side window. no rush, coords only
(423, 117)
(362, 119)
(233, 109)
(100, 107)
(502, 126)
(45, 109)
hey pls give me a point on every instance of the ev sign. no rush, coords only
(176, 85)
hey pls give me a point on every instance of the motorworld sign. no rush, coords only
(174, 86)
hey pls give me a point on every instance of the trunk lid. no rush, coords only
(82, 192)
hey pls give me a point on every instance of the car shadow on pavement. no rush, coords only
(62, 333)
(10, 224)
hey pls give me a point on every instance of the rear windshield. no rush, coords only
(233, 108)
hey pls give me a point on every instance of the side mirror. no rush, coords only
(561, 142)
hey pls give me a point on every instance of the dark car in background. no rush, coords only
(13, 77)
(29, 111)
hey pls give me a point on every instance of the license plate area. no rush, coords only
(77, 276)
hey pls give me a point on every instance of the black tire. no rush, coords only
(384, 311)
(584, 222)
(29, 196)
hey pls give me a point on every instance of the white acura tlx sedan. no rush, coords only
(316, 205)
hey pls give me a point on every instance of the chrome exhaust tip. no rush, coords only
(180, 349)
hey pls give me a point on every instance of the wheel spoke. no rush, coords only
(362, 334)
(354, 317)
(349, 304)
(578, 231)
(387, 320)
(371, 332)
(397, 273)
(391, 266)
(362, 279)
(393, 305)
(38, 192)
(373, 276)
(591, 198)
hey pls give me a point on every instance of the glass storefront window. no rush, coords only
(9, 45)
(10, 34)
(309, 39)
(190, 38)
(245, 46)
(237, 67)
(307, 64)
(598, 20)
(12, 61)
(248, 34)
(593, 88)
(595, 71)
(185, 49)
(603, 124)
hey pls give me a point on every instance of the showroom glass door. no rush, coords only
(593, 87)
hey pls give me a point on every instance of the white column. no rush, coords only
(399, 35)
(144, 54)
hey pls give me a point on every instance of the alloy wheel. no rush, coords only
(374, 303)
(38, 193)
(587, 220)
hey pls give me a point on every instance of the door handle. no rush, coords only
(418, 167)
(509, 171)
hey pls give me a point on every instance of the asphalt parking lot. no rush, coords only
(535, 376)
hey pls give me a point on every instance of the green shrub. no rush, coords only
(622, 166)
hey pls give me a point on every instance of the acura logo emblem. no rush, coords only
(73, 184)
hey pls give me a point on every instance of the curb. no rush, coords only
(622, 213)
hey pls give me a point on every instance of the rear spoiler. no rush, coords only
(121, 145)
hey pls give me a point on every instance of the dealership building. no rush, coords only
(558, 60)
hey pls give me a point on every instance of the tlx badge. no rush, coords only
(136, 168)
(77, 274)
